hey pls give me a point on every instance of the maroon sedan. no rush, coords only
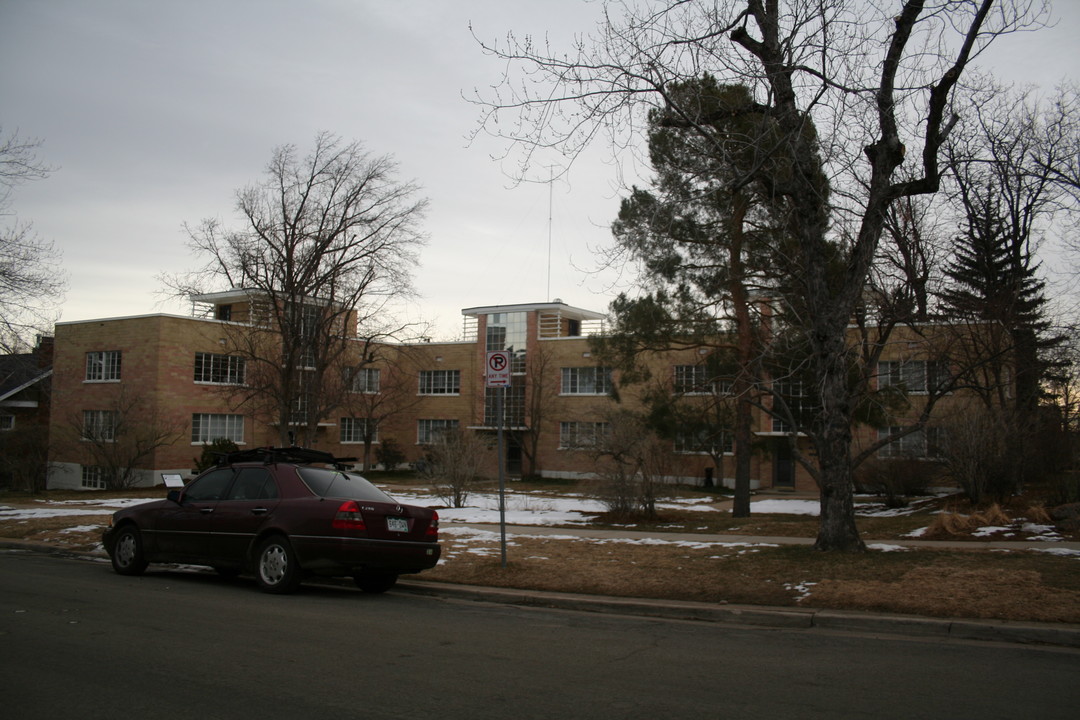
(281, 514)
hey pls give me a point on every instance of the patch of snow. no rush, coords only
(1061, 552)
(82, 528)
(885, 547)
(917, 533)
(786, 507)
(802, 588)
(31, 513)
(988, 531)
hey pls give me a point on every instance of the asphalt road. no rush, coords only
(77, 641)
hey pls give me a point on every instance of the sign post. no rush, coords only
(497, 376)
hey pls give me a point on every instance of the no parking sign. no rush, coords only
(497, 369)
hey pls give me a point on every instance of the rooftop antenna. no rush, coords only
(551, 185)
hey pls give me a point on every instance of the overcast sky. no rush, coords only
(156, 112)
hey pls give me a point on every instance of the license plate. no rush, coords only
(396, 524)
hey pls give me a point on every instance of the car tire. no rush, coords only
(276, 567)
(127, 552)
(373, 582)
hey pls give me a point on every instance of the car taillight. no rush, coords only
(348, 517)
(433, 528)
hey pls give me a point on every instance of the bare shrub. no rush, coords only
(895, 480)
(632, 463)
(977, 455)
(452, 465)
(958, 524)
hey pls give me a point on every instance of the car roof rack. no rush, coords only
(294, 454)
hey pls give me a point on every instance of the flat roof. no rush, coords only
(561, 307)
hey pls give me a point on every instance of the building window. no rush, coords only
(440, 382)
(508, 331)
(586, 381)
(208, 427)
(704, 442)
(364, 380)
(925, 444)
(99, 425)
(695, 380)
(913, 376)
(7, 422)
(103, 366)
(513, 404)
(219, 369)
(223, 312)
(579, 435)
(93, 477)
(354, 429)
(791, 404)
(429, 432)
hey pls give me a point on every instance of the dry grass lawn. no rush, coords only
(975, 583)
(968, 583)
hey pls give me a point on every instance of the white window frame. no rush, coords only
(99, 426)
(103, 366)
(219, 369)
(917, 377)
(582, 435)
(589, 380)
(440, 382)
(428, 430)
(915, 446)
(692, 444)
(93, 478)
(353, 430)
(367, 381)
(208, 427)
(7, 422)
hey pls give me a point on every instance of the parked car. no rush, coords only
(281, 514)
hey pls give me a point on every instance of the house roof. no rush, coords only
(18, 372)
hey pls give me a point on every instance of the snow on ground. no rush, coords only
(64, 508)
(525, 509)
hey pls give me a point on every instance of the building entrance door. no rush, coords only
(783, 464)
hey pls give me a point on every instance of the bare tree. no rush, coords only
(123, 436)
(859, 95)
(1001, 164)
(31, 284)
(327, 243)
(380, 386)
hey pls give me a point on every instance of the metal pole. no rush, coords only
(502, 476)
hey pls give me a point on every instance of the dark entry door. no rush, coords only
(783, 463)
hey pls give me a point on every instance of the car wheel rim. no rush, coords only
(125, 550)
(273, 565)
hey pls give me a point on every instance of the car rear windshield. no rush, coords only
(325, 482)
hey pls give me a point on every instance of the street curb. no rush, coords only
(1062, 635)
(1006, 631)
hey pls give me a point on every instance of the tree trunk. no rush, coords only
(745, 350)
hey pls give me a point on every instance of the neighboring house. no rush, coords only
(187, 374)
(25, 384)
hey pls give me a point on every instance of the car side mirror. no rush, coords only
(174, 495)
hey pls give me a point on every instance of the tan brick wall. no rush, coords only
(158, 353)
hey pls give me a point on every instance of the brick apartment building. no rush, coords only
(177, 376)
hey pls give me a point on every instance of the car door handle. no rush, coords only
(206, 511)
(258, 511)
